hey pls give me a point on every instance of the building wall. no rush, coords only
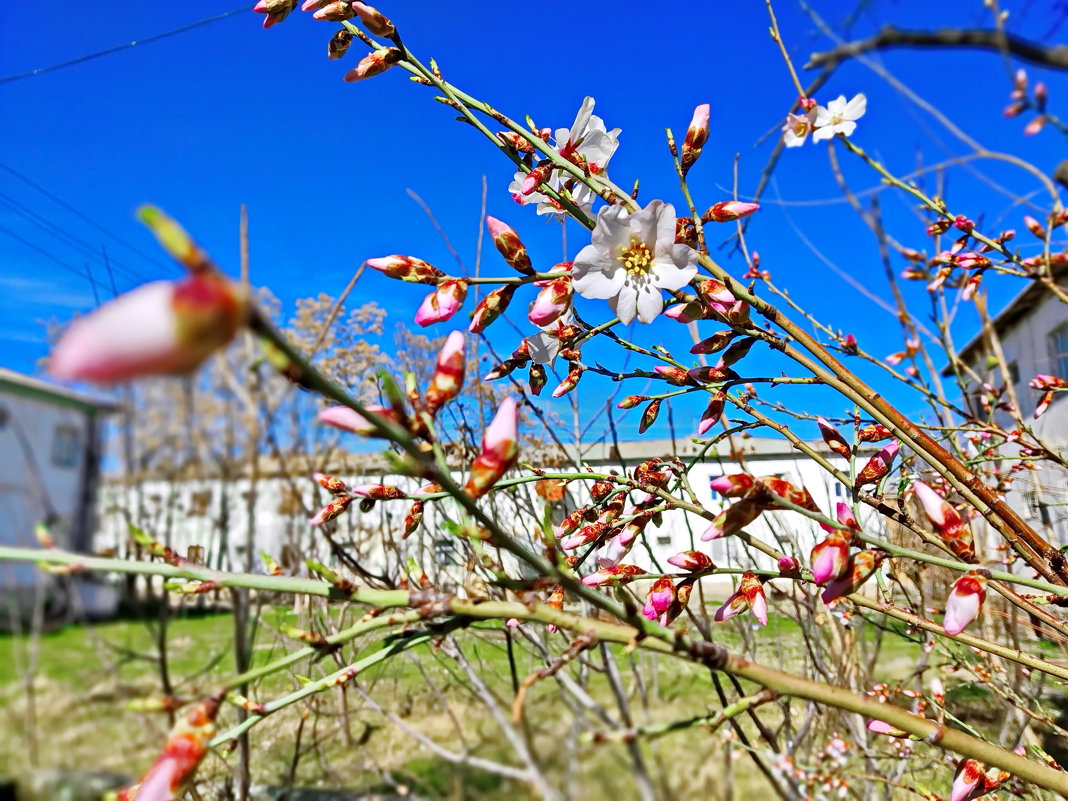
(215, 516)
(1041, 496)
(44, 466)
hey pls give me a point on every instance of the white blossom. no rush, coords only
(797, 128)
(839, 117)
(631, 258)
(588, 139)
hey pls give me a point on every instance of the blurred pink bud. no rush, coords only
(1041, 94)
(442, 303)
(969, 780)
(788, 566)
(618, 574)
(732, 520)
(881, 727)
(378, 492)
(499, 450)
(964, 602)
(332, 510)
(729, 211)
(691, 561)
(1034, 226)
(659, 599)
(734, 485)
(448, 376)
(830, 558)
(861, 567)
(685, 312)
(1034, 126)
(512, 622)
(161, 328)
(551, 303)
(373, 64)
(750, 595)
(351, 420)
(946, 521)
(333, 485)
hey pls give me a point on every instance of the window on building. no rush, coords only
(66, 446)
(445, 551)
(4, 413)
(1058, 350)
(663, 540)
(1014, 373)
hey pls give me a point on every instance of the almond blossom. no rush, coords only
(838, 117)
(588, 142)
(631, 258)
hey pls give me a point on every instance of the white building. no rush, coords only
(1033, 333)
(49, 471)
(218, 516)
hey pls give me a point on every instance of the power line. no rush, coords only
(63, 235)
(88, 220)
(45, 253)
(118, 48)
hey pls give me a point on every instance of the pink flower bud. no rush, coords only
(448, 376)
(406, 268)
(696, 136)
(442, 303)
(880, 727)
(378, 492)
(491, 307)
(732, 520)
(535, 178)
(499, 450)
(878, 467)
(276, 10)
(946, 522)
(570, 381)
(964, 602)
(551, 303)
(332, 510)
(351, 420)
(335, 486)
(734, 485)
(373, 64)
(861, 567)
(712, 413)
(659, 598)
(685, 312)
(830, 558)
(691, 561)
(729, 211)
(335, 12)
(161, 328)
(507, 242)
(374, 20)
(1034, 226)
(714, 343)
(969, 781)
(834, 439)
(750, 595)
(618, 574)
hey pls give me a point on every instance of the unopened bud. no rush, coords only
(536, 378)
(442, 303)
(335, 12)
(631, 401)
(448, 375)
(570, 381)
(535, 178)
(374, 20)
(373, 64)
(507, 241)
(406, 268)
(491, 307)
(652, 411)
(1035, 227)
(728, 211)
(338, 45)
(696, 136)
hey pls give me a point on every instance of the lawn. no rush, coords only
(93, 688)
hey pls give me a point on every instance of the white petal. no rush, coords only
(643, 223)
(820, 134)
(612, 229)
(650, 302)
(823, 117)
(665, 226)
(582, 119)
(625, 304)
(856, 107)
(596, 276)
(837, 106)
(845, 127)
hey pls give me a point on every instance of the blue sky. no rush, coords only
(227, 113)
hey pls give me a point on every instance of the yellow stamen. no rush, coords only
(637, 258)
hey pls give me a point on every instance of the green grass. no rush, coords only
(90, 678)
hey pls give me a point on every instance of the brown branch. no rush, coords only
(1055, 57)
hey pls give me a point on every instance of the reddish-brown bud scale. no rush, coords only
(338, 45)
(834, 439)
(570, 381)
(874, 433)
(374, 20)
(714, 343)
(631, 401)
(333, 485)
(515, 141)
(652, 411)
(407, 268)
(696, 137)
(413, 519)
(537, 378)
(491, 307)
(448, 376)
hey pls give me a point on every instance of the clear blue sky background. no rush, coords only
(227, 113)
